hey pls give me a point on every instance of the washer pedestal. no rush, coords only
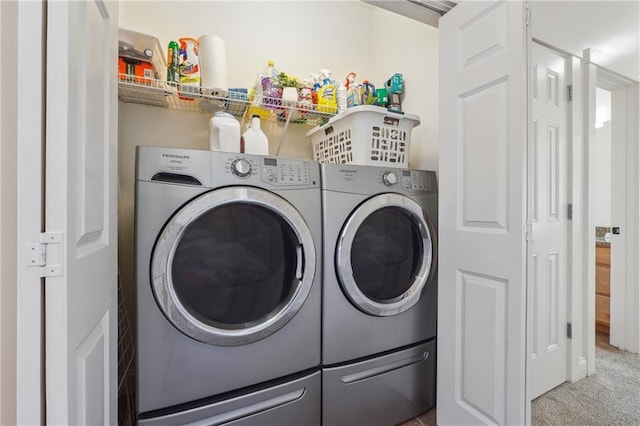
(292, 403)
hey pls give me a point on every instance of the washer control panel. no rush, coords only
(389, 178)
(241, 167)
(253, 169)
(278, 171)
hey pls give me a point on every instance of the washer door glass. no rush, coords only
(384, 255)
(233, 266)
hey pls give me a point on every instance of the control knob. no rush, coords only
(389, 178)
(241, 168)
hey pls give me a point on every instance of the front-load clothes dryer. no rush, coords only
(228, 284)
(379, 292)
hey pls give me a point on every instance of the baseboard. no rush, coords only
(581, 370)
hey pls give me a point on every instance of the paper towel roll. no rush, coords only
(213, 62)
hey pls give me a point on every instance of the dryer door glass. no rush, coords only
(384, 255)
(233, 266)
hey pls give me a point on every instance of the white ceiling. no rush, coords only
(609, 28)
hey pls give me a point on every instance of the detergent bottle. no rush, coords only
(353, 91)
(173, 60)
(224, 133)
(271, 90)
(341, 97)
(343, 92)
(327, 101)
(189, 67)
(255, 141)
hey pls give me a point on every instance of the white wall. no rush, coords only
(301, 37)
(411, 48)
(610, 27)
(603, 175)
(8, 216)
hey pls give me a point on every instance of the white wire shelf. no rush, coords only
(159, 93)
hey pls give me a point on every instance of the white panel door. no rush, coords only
(619, 160)
(81, 205)
(548, 215)
(482, 278)
(625, 291)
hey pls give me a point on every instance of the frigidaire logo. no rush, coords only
(348, 171)
(176, 156)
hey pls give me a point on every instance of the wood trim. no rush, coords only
(601, 327)
(603, 255)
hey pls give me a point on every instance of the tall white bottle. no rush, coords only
(213, 64)
(255, 141)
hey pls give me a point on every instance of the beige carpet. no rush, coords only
(610, 397)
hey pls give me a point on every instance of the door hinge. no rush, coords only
(47, 254)
(570, 93)
(569, 331)
(529, 231)
(527, 21)
(570, 211)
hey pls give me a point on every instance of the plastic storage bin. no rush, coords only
(365, 135)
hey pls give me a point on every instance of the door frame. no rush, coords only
(29, 101)
(625, 297)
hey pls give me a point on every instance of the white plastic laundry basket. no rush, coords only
(365, 135)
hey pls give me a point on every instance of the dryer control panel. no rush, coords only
(418, 180)
(278, 171)
(359, 179)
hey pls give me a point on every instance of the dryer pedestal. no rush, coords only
(386, 390)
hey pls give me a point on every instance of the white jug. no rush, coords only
(224, 133)
(255, 141)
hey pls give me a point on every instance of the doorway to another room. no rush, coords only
(612, 297)
(613, 308)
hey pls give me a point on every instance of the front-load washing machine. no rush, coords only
(227, 288)
(379, 293)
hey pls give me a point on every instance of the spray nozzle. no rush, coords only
(351, 78)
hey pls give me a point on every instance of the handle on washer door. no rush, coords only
(176, 178)
(299, 262)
